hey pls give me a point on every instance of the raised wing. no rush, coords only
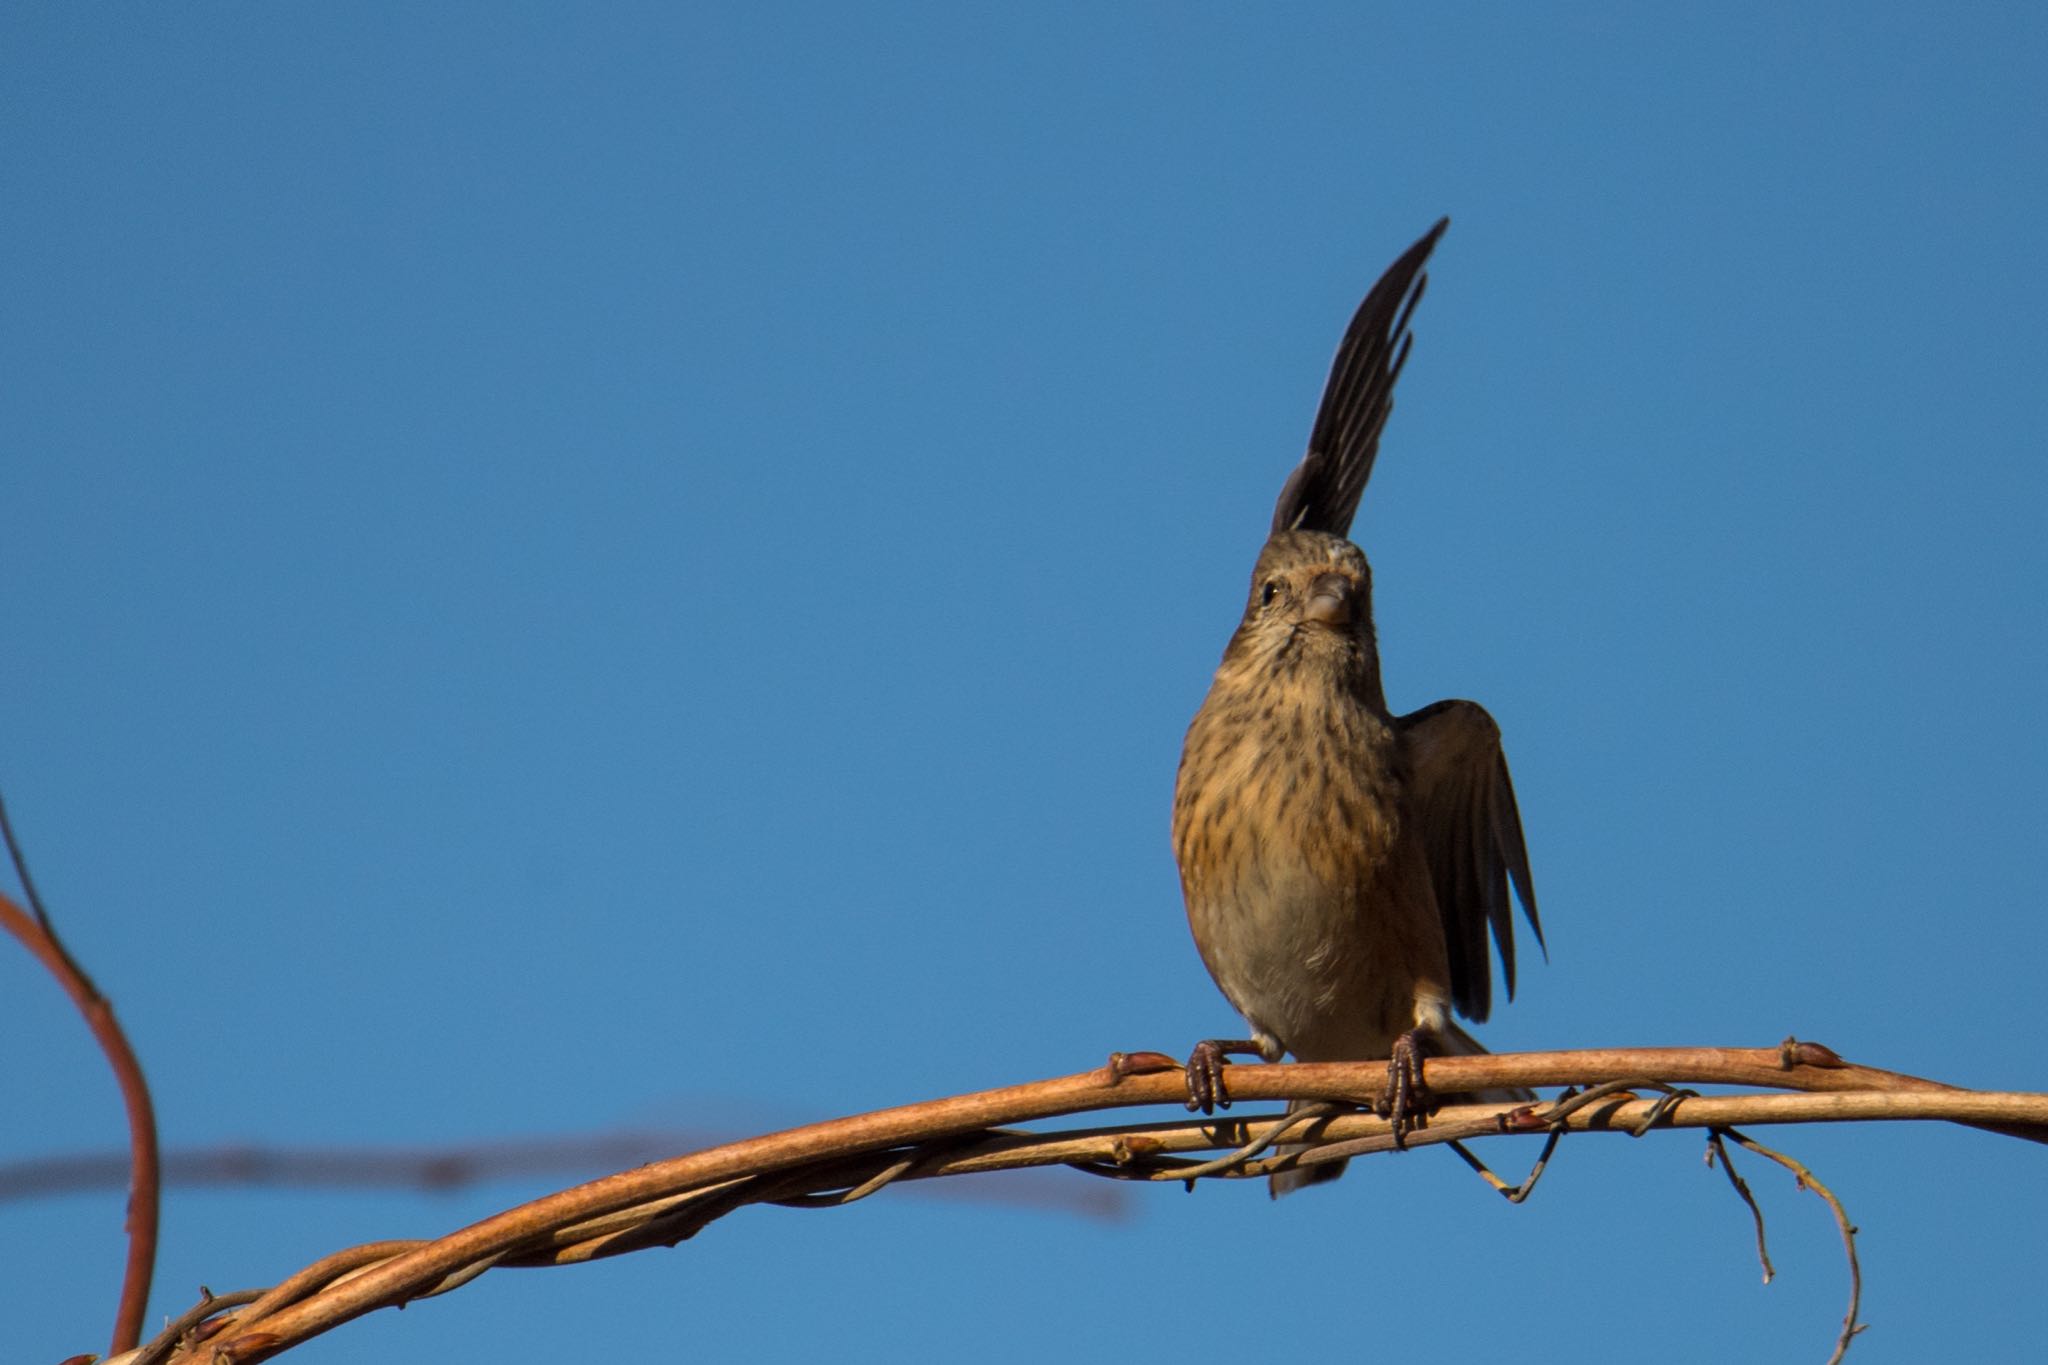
(1463, 804)
(1323, 491)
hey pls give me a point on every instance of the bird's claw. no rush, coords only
(1405, 1102)
(1207, 1090)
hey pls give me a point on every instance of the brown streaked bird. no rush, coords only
(1343, 865)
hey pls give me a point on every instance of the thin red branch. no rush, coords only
(41, 940)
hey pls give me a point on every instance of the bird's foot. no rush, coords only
(1405, 1103)
(1206, 1089)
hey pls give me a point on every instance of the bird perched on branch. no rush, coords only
(1342, 865)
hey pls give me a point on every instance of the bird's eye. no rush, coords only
(1269, 592)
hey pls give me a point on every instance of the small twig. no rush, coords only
(874, 1184)
(35, 897)
(327, 1271)
(1556, 1118)
(1715, 1148)
(1514, 1194)
(1297, 1118)
(173, 1335)
(39, 936)
(1623, 1091)
(1573, 1099)
(1806, 1181)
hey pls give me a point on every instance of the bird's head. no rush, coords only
(1310, 608)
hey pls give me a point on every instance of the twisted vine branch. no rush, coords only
(836, 1162)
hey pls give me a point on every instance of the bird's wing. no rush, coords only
(1323, 491)
(1463, 805)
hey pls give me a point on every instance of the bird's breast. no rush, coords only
(1269, 784)
(1287, 827)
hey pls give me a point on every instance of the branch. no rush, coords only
(438, 1169)
(39, 936)
(1850, 1325)
(836, 1162)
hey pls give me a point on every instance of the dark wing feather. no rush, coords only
(1462, 802)
(1323, 491)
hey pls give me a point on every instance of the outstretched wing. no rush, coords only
(1323, 491)
(1463, 805)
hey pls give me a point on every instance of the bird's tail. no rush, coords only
(1301, 1177)
(1452, 1042)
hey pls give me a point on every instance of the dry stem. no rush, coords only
(829, 1163)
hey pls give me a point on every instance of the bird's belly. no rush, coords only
(1326, 971)
(1310, 902)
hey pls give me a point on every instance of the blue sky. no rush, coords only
(572, 570)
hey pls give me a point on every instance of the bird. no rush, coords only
(1342, 865)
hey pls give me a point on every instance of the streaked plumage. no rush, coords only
(1343, 867)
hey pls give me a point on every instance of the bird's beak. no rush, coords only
(1330, 600)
